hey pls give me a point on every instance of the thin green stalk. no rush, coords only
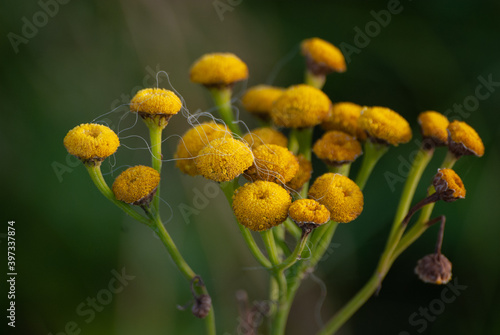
(373, 152)
(292, 228)
(222, 99)
(296, 255)
(302, 137)
(182, 265)
(228, 189)
(96, 176)
(270, 244)
(341, 169)
(155, 133)
(317, 81)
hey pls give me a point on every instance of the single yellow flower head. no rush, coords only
(344, 117)
(301, 106)
(265, 135)
(259, 100)
(224, 159)
(434, 269)
(273, 163)
(218, 69)
(193, 141)
(337, 148)
(433, 126)
(339, 194)
(308, 211)
(302, 176)
(464, 140)
(155, 101)
(384, 125)
(449, 185)
(91, 142)
(261, 205)
(322, 57)
(136, 185)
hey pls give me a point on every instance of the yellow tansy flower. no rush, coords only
(273, 163)
(344, 117)
(464, 140)
(136, 185)
(339, 194)
(384, 125)
(259, 99)
(91, 142)
(265, 135)
(308, 211)
(449, 185)
(301, 106)
(193, 141)
(224, 159)
(433, 126)
(218, 69)
(336, 148)
(155, 101)
(322, 57)
(302, 176)
(261, 205)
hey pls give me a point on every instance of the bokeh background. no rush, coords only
(91, 56)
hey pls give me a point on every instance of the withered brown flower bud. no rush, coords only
(434, 269)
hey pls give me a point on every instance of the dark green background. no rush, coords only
(91, 53)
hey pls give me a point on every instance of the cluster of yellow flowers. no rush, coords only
(275, 161)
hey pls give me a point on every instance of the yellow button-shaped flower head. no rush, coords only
(136, 185)
(336, 148)
(464, 140)
(224, 159)
(259, 100)
(308, 212)
(265, 135)
(218, 70)
(91, 142)
(434, 269)
(301, 106)
(340, 195)
(302, 176)
(322, 57)
(261, 205)
(384, 125)
(434, 128)
(449, 185)
(273, 163)
(193, 141)
(156, 105)
(344, 117)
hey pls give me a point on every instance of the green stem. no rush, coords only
(341, 169)
(292, 228)
(373, 152)
(184, 268)
(98, 179)
(155, 133)
(317, 81)
(222, 99)
(296, 255)
(302, 137)
(228, 189)
(270, 244)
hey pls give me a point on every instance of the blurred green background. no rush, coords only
(90, 57)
